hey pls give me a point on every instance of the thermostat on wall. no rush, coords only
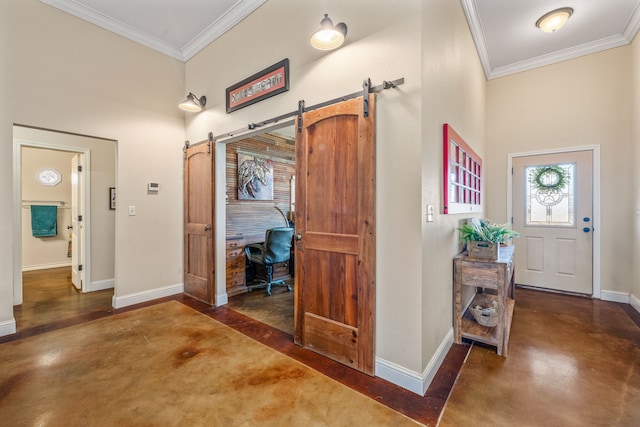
(153, 187)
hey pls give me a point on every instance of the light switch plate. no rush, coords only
(132, 210)
(430, 213)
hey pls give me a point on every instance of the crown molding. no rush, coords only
(93, 16)
(475, 26)
(477, 33)
(559, 56)
(239, 11)
(633, 26)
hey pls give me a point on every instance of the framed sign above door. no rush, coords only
(262, 85)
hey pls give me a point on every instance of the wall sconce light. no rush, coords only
(329, 36)
(554, 20)
(192, 103)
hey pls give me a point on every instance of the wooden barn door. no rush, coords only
(335, 232)
(198, 222)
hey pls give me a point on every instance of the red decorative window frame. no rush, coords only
(462, 172)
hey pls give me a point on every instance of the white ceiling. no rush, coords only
(504, 30)
(178, 28)
(508, 41)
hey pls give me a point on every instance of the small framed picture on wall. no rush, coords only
(112, 198)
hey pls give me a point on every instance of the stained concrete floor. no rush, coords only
(50, 297)
(572, 361)
(275, 310)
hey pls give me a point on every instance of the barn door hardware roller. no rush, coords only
(300, 112)
(366, 89)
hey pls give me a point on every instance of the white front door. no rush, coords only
(555, 222)
(77, 228)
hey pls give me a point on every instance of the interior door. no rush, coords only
(198, 222)
(335, 232)
(77, 228)
(555, 247)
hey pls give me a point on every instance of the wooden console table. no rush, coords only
(494, 279)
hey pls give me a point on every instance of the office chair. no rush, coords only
(275, 249)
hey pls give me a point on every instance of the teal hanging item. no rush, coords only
(44, 221)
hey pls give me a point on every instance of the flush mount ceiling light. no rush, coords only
(554, 20)
(193, 103)
(329, 36)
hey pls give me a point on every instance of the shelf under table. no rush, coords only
(487, 334)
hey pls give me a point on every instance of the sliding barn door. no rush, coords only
(335, 232)
(198, 222)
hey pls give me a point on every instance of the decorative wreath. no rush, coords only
(549, 177)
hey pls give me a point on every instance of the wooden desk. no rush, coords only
(235, 266)
(498, 278)
(248, 223)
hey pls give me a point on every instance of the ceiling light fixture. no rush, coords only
(192, 103)
(329, 36)
(554, 20)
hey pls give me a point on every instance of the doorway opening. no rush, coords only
(69, 268)
(251, 209)
(334, 285)
(554, 200)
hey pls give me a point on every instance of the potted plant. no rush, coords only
(483, 237)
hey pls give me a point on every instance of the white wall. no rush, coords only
(45, 252)
(59, 72)
(453, 92)
(584, 101)
(427, 43)
(635, 86)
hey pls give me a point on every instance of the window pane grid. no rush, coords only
(462, 175)
(465, 177)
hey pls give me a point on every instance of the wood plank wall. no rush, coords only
(252, 218)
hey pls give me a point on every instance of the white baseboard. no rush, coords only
(8, 327)
(100, 285)
(399, 375)
(435, 362)
(411, 380)
(139, 297)
(222, 299)
(45, 266)
(635, 302)
(615, 296)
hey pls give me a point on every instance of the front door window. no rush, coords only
(550, 195)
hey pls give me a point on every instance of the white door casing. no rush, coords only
(555, 249)
(77, 225)
(85, 154)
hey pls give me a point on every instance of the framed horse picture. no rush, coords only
(255, 177)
